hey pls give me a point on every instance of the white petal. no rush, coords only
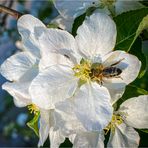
(54, 59)
(53, 85)
(136, 109)
(97, 35)
(130, 65)
(58, 41)
(66, 119)
(44, 126)
(124, 136)
(56, 138)
(19, 91)
(65, 24)
(116, 88)
(123, 6)
(73, 9)
(89, 140)
(17, 65)
(30, 29)
(93, 107)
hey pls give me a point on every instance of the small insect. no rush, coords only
(99, 71)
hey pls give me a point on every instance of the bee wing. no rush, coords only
(111, 58)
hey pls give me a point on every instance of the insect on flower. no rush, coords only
(98, 71)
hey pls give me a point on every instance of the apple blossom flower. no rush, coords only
(69, 10)
(69, 126)
(89, 52)
(131, 114)
(21, 68)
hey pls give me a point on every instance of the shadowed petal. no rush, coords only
(93, 107)
(136, 109)
(124, 136)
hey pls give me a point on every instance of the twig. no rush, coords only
(11, 12)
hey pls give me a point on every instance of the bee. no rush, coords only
(98, 71)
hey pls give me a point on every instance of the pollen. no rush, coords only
(33, 109)
(116, 120)
(83, 70)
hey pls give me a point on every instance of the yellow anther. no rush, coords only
(33, 109)
(116, 120)
(83, 70)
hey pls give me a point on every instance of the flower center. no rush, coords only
(83, 70)
(33, 109)
(87, 71)
(116, 120)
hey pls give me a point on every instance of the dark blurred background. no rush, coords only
(13, 129)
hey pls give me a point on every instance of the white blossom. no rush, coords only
(69, 10)
(131, 114)
(21, 68)
(92, 46)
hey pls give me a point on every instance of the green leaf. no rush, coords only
(145, 52)
(136, 50)
(77, 22)
(33, 124)
(129, 25)
(130, 92)
(144, 130)
(51, 25)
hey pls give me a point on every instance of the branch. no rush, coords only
(11, 12)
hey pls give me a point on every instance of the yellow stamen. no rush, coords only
(116, 120)
(83, 70)
(33, 109)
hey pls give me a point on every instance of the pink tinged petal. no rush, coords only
(19, 91)
(44, 126)
(53, 85)
(93, 107)
(31, 29)
(124, 136)
(17, 65)
(61, 42)
(88, 140)
(136, 109)
(97, 35)
(130, 65)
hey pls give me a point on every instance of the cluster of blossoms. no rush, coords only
(72, 83)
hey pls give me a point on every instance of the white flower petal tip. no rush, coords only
(19, 92)
(136, 110)
(17, 65)
(93, 107)
(97, 35)
(60, 42)
(29, 22)
(31, 29)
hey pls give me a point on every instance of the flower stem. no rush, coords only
(11, 12)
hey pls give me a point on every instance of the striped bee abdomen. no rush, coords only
(111, 71)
